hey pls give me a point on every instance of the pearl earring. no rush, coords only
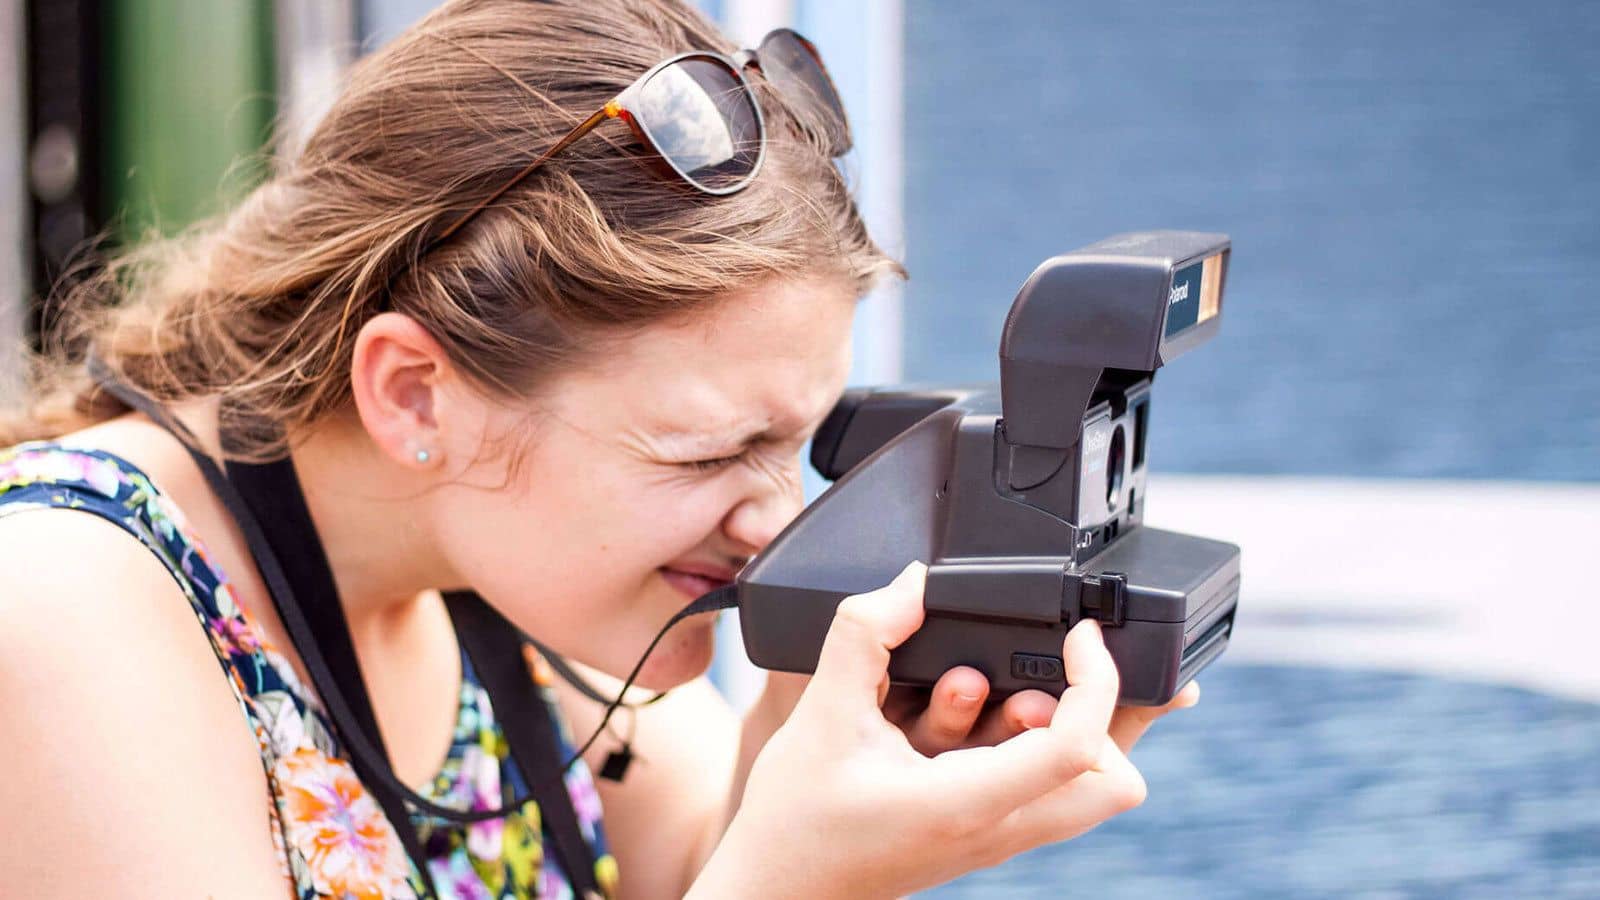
(423, 456)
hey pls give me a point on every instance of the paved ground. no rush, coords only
(1308, 782)
(1408, 709)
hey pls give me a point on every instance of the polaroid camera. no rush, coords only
(1026, 502)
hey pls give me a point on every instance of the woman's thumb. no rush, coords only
(855, 654)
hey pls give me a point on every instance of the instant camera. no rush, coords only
(1026, 502)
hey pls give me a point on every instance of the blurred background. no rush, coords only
(1400, 422)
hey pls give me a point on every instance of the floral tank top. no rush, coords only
(332, 836)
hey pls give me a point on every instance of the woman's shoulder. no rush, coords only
(91, 607)
(120, 721)
(140, 482)
(50, 547)
(67, 578)
(93, 554)
(69, 513)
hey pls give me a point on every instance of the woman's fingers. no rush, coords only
(997, 780)
(1020, 712)
(948, 720)
(1025, 710)
(954, 707)
(854, 662)
(1129, 723)
(1108, 788)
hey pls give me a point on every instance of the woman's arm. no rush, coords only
(128, 770)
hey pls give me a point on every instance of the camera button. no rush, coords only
(1032, 667)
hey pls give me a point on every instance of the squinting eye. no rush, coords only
(711, 465)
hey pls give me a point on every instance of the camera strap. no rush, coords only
(328, 653)
(270, 495)
(495, 647)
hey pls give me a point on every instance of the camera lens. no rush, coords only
(1114, 466)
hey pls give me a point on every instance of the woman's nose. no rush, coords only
(758, 518)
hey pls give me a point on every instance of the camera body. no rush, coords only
(1026, 501)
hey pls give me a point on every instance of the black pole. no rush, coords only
(62, 156)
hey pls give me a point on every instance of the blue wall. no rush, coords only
(1412, 188)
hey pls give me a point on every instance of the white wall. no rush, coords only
(862, 44)
(317, 41)
(381, 20)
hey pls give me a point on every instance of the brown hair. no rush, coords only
(260, 307)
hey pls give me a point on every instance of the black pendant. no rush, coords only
(617, 763)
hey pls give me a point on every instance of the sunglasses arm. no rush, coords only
(611, 110)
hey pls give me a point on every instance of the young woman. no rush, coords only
(509, 345)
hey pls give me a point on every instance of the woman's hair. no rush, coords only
(260, 307)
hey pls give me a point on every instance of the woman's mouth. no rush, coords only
(695, 584)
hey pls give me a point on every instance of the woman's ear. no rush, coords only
(402, 381)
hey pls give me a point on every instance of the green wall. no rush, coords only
(188, 88)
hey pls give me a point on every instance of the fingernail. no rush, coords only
(1028, 723)
(966, 701)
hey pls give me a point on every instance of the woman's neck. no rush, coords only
(372, 518)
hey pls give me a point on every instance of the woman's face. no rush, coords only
(652, 474)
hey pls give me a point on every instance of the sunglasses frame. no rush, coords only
(751, 58)
(617, 108)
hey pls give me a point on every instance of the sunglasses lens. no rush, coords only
(703, 122)
(792, 66)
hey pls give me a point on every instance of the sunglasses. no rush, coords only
(699, 120)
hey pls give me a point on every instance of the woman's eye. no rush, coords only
(711, 465)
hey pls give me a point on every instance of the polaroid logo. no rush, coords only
(1178, 294)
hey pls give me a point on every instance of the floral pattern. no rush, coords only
(350, 849)
(332, 836)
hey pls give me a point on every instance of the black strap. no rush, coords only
(340, 686)
(275, 497)
(495, 647)
(360, 745)
(272, 493)
(582, 685)
(725, 597)
(370, 763)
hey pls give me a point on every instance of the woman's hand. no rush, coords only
(953, 715)
(841, 803)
